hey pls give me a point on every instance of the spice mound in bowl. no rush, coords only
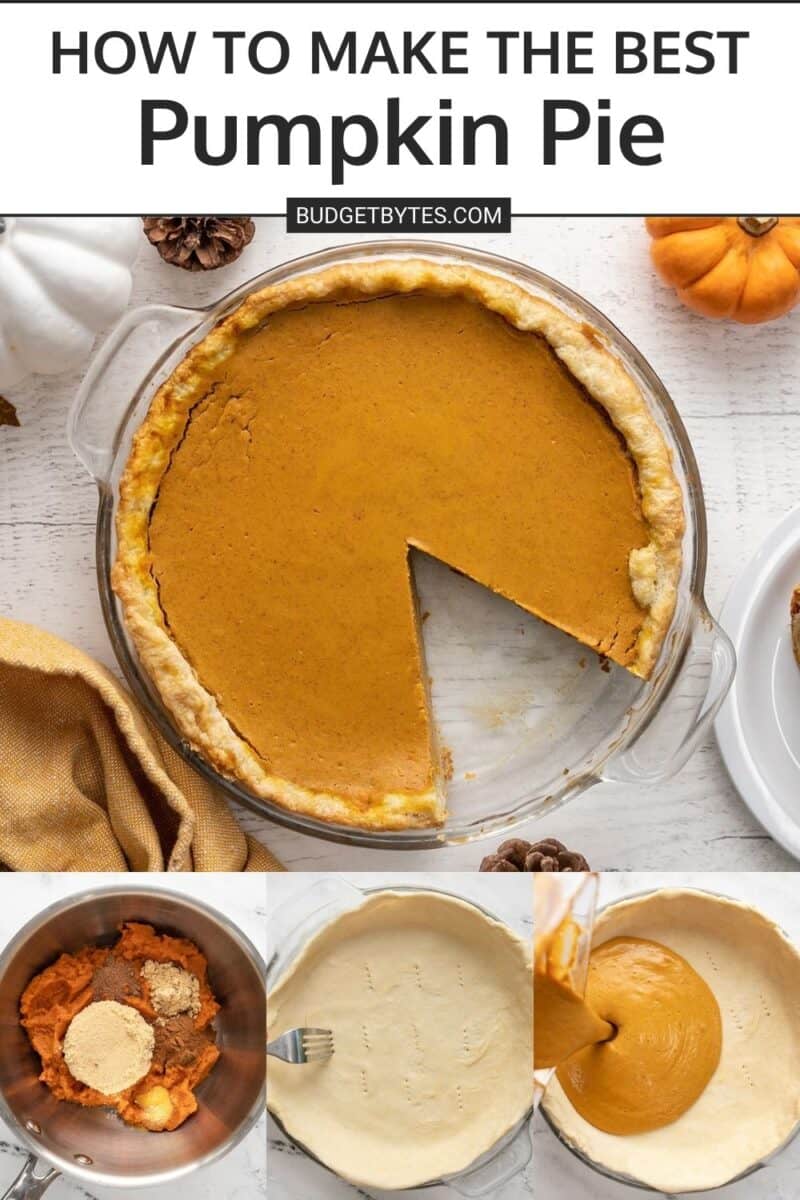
(128, 1027)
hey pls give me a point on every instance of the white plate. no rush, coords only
(758, 728)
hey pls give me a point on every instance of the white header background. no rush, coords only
(71, 143)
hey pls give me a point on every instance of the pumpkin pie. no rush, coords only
(328, 426)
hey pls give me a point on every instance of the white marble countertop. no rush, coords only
(736, 388)
(290, 1174)
(241, 1175)
(558, 1172)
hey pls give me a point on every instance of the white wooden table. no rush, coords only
(559, 1173)
(293, 1176)
(737, 389)
(241, 1175)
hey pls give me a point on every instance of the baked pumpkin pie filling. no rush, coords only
(290, 465)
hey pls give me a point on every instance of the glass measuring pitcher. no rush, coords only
(563, 922)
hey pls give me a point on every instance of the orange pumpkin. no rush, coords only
(744, 268)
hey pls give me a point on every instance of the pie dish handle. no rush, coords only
(97, 417)
(688, 711)
(28, 1185)
(488, 1178)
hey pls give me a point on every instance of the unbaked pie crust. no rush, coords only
(430, 1004)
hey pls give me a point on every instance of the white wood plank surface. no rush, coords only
(737, 389)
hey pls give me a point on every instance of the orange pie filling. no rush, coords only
(329, 426)
(165, 1096)
(641, 1047)
(336, 437)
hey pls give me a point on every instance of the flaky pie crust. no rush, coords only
(654, 568)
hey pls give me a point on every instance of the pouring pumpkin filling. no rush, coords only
(326, 428)
(127, 1027)
(689, 1072)
(638, 1050)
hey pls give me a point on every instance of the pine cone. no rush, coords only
(547, 855)
(199, 243)
(8, 414)
(550, 855)
(494, 862)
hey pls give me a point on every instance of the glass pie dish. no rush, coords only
(630, 1181)
(599, 1169)
(529, 721)
(290, 927)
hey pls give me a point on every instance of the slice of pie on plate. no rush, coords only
(326, 427)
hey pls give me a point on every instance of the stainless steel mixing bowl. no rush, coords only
(93, 1144)
(529, 721)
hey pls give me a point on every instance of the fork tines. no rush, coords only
(317, 1044)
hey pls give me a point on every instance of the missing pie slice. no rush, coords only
(317, 434)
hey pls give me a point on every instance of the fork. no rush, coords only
(302, 1045)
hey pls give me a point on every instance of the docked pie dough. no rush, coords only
(752, 1103)
(430, 1006)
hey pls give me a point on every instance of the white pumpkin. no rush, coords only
(62, 280)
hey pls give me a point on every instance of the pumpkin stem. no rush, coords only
(757, 226)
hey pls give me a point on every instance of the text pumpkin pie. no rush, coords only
(326, 427)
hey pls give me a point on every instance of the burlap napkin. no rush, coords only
(87, 785)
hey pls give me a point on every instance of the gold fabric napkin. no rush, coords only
(86, 784)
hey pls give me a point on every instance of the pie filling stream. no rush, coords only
(641, 1047)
